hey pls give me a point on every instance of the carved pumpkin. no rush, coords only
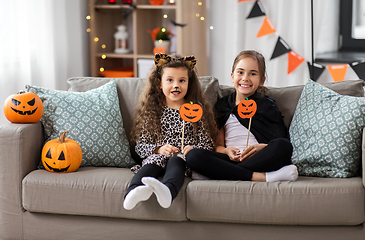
(247, 108)
(61, 155)
(23, 108)
(191, 112)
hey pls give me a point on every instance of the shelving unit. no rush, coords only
(140, 17)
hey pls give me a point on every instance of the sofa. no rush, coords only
(88, 203)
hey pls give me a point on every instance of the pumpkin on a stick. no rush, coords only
(189, 112)
(247, 109)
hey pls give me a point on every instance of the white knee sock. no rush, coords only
(286, 173)
(138, 194)
(161, 191)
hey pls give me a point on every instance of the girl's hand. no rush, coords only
(233, 153)
(251, 150)
(167, 149)
(187, 149)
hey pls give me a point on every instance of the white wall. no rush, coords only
(42, 43)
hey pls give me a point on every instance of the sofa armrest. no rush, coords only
(20, 152)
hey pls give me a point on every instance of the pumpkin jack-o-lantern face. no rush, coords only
(190, 112)
(61, 158)
(23, 108)
(61, 155)
(247, 108)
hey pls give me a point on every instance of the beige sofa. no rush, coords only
(87, 204)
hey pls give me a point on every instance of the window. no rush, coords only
(352, 25)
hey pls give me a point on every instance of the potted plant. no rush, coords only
(161, 38)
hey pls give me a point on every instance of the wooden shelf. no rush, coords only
(114, 6)
(139, 20)
(116, 55)
(156, 6)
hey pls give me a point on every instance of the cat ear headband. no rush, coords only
(161, 59)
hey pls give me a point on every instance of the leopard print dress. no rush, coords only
(171, 127)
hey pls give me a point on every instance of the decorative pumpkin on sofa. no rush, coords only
(191, 112)
(61, 155)
(23, 108)
(247, 108)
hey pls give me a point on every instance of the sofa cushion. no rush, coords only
(94, 191)
(287, 97)
(326, 132)
(307, 201)
(94, 121)
(129, 90)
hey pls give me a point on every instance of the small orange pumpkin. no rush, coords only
(23, 108)
(247, 108)
(156, 2)
(61, 155)
(191, 112)
(159, 50)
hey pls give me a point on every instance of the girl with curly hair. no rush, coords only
(158, 130)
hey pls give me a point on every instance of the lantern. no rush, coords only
(121, 37)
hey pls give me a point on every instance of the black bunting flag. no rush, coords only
(281, 48)
(257, 10)
(317, 70)
(359, 68)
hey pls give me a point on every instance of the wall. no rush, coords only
(45, 43)
(233, 33)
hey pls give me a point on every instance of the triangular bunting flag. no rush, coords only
(281, 48)
(359, 68)
(338, 72)
(317, 70)
(257, 10)
(294, 60)
(266, 28)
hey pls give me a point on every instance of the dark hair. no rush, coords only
(152, 101)
(260, 62)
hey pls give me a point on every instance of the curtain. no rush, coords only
(232, 32)
(42, 43)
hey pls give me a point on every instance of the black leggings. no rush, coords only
(214, 165)
(173, 175)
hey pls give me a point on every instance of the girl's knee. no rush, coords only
(195, 152)
(283, 143)
(193, 155)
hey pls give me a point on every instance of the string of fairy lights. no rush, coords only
(198, 15)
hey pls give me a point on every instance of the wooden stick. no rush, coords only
(248, 134)
(182, 139)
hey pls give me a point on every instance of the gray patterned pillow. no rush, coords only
(94, 121)
(326, 132)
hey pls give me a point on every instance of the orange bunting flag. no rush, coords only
(294, 60)
(338, 72)
(266, 28)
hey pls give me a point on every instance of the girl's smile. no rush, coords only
(246, 78)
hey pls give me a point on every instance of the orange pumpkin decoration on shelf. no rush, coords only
(247, 108)
(156, 2)
(61, 155)
(159, 50)
(23, 108)
(191, 112)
